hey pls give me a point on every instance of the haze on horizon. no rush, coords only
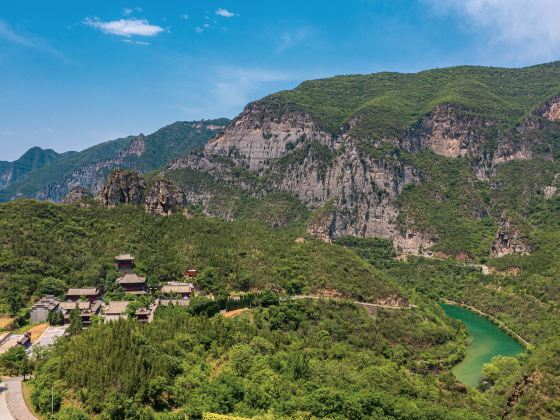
(76, 74)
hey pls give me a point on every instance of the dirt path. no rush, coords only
(364, 304)
(236, 312)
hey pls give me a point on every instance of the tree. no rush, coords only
(76, 325)
(15, 362)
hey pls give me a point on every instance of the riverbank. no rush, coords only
(527, 345)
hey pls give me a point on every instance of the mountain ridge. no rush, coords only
(89, 167)
(368, 145)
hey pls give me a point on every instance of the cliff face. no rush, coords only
(258, 137)
(122, 187)
(164, 198)
(508, 240)
(264, 150)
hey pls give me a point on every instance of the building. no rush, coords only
(42, 308)
(133, 284)
(191, 273)
(89, 293)
(9, 340)
(175, 289)
(124, 262)
(145, 315)
(115, 310)
(87, 310)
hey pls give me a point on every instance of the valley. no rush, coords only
(335, 217)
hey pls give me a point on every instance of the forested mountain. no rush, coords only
(34, 158)
(379, 188)
(89, 168)
(430, 160)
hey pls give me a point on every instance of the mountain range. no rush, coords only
(47, 175)
(445, 162)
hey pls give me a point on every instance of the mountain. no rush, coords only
(444, 162)
(34, 158)
(89, 168)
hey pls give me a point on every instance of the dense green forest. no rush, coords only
(387, 103)
(291, 358)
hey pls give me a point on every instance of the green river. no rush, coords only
(486, 341)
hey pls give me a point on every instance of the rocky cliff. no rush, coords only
(509, 240)
(122, 187)
(164, 198)
(355, 163)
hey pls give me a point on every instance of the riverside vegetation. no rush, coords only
(461, 164)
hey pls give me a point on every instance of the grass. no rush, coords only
(6, 321)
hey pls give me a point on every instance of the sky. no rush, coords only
(77, 73)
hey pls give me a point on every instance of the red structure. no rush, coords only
(124, 262)
(191, 273)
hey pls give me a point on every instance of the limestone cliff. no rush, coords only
(509, 240)
(122, 187)
(164, 198)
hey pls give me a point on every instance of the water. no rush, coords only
(485, 342)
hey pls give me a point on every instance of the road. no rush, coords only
(15, 402)
(50, 335)
(4, 412)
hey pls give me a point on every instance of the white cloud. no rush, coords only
(185, 16)
(125, 27)
(528, 29)
(289, 38)
(224, 13)
(199, 30)
(7, 33)
(133, 41)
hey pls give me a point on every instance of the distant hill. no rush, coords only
(51, 177)
(34, 158)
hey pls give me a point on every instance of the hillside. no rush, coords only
(89, 168)
(418, 159)
(34, 158)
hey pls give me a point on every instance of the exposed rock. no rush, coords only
(551, 109)
(320, 227)
(122, 187)
(259, 135)
(508, 240)
(448, 131)
(76, 195)
(299, 240)
(393, 301)
(164, 198)
(549, 191)
(413, 242)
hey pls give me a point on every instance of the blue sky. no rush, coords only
(76, 73)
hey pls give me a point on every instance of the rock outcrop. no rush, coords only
(164, 198)
(508, 240)
(76, 195)
(122, 187)
(448, 131)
